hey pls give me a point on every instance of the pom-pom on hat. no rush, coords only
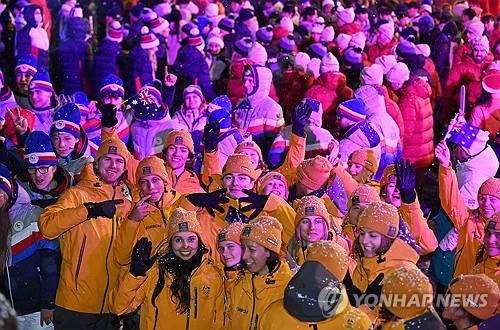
(152, 165)
(287, 44)
(314, 173)
(111, 84)
(399, 73)
(114, 146)
(265, 231)
(180, 137)
(353, 109)
(491, 83)
(148, 39)
(240, 163)
(242, 46)
(41, 81)
(231, 232)
(331, 255)
(380, 217)
(372, 75)
(39, 150)
(115, 32)
(329, 63)
(317, 50)
(26, 64)
(67, 120)
(386, 61)
(220, 111)
(366, 158)
(265, 34)
(363, 194)
(182, 220)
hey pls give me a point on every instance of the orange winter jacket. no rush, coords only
(487, 118)
(490, 266)
(88, 271)
(252, 294)
(415, 106)
(205, 310)
(375, 51)
(417, 224)
(468, 223)
(186, 183)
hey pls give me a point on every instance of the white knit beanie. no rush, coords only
(329, 63)
(386, 61)
(372, 75)
(257, 53)
(328, 34)
(302, 60)
(399, 73)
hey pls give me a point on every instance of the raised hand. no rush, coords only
(442, 153)
(108, 112)
(210, 201)
(141, 261)
(211, 136)
(140, 210)
(406, 180)
(300, 117)
(255, 202)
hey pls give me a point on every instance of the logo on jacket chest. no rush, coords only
(18, 226)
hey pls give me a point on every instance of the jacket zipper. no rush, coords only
(187, 317)
(252, 325)
(195, 303)
(80, 258)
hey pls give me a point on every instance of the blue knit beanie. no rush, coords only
(220, 111)
(111, 84)
(38, 150)
(226, 24)
(147, 104)
(409, 34)
(242, 46)
(82, 102)
(425, 24)
(67, 120)
(353, 109)
(353, 59)
(6, 183)
(317, 50)
(406, 48)
(41, 80)
(27, 64)
(287, 44)
(265, 34)
(245, 14)
(193, 89)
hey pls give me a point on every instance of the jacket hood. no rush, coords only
(332, 80)
(263, 78)
(29, 16)
(419, 88)
(314, 294)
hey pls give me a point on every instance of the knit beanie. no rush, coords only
(158, 24)
(111, 84)
(193, 89)
(408, 34)
(476, 285)
(328, 34)
(115, 32)
(196, 40)
(329, 63)
(287, 24)
(264, 180)
(112, 145)
(265, 231)
(346, 15)
(358, 41)
(389, 176)
(231, 233)
(491, 82)
(398, 74)
(317, 50)
(179, 137)
(407, 291)
(363, 194)
(240, 163)
(372, 75)
(311, 206)
(343, 41)
(163, 9)
(302, 60)
(226, 24)
(331, 255)
(242, 46)
(151, 165)
(26, 64)
(286, 44)
(425, 24)
(212, 10)
(248, 145)
(257, 53)
(39, 150)
(182, 220)
(353, 109)
(313, 173)
(353, 58)
(387, 30)
(366, 158)
(424, 50)
(405, 48)
(380, 217)
(316, 28)
(387, 62)
(6, 183)
(476, 29)
(245, 14)
(148, 39)
(215, 40)
(66, 119)
(41, 81)
(313, 67)
(265, 34)
(481, 43)
(220, 111)
(490, 187)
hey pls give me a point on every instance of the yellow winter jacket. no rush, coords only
(277, 318)
(186, 183)
(469, 224)
(154, 226)
(417, 224)
(489, 266)
(205, 311)
(88, 272)
(252, 294)
(399, 254)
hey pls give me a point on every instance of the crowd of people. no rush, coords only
(243, 164)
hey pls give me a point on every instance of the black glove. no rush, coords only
(256, 202)
(140, 261)
(211, 136)
(108, 112)
(105, 209)
(209, 201)
(300, 117)
(43, 203)
(406, 181)
(375, 287)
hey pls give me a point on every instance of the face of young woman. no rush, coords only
(276, 187)
(312, 229)
(370, 242)
(185, 244)
(235, 183)
(392, 195)
(255, 257)
(230, 253)
(492, 242)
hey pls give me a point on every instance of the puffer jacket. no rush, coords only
(375, 51)
(440, 54)
(291, 90)
(490, 266)
(192, 124)
(88, 271)
(469, 223)
(418, 141)
(417, 225)
(105, 60)
(330, 89)
(358, 136)
(148, 136)
(393, 110)
(252, 294)
(142, 68)
(487, 118)
(205, 310)
(24, 42)
(259, 114)
(235, 88)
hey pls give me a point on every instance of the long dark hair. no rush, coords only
(181, 270)
(385, 245)
(272, 262)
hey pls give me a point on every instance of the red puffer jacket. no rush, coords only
(292, 89)
(375, 51)
(415, 106)
(330, 89)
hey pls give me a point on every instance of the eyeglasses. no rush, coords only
(41, 170)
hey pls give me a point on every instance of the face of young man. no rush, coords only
(110, 168)
(63, 143)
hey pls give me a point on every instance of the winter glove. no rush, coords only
(43, 203)
(211, 136)
(300, 118)
(235, 215)
(105, 209)
(141, 262)
(256, 202)
(108, 112)
(209, 201)
(406, 181)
